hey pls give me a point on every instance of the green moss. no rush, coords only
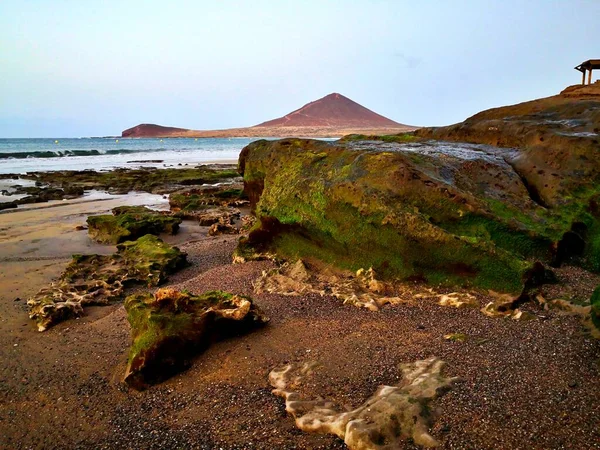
(199, 199)
(144, 179)
(401, 213)
(129, 223)
(170, 326)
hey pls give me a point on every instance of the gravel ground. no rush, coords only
(524, 385)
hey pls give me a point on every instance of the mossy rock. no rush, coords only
(143, 179)
(199, 199)
(170, 327)
(448, 214)
(101, 279)
(129, 223)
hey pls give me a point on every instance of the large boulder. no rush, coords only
(447, 213)
(128, 223)
(100, 279)
(170, 327)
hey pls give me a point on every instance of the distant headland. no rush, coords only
(331, 116)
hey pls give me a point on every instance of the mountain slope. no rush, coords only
(331, 116)
(333, 110)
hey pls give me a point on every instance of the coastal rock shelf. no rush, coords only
(169, 327)
(392, 415)
(100, 279)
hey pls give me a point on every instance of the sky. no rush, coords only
(73, 68)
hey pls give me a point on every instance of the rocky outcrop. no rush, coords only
(392, 415)
(100, 279)
(40, 194)
(199, 199)
(208, 203)
(128, 223)
(450, 213)
(150, 130)
(170, 327)
(122, 181)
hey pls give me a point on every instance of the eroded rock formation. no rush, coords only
(199, 199)
(169, 327)
(100, 279)
(361, 289)
(391, 415)
(128, 223)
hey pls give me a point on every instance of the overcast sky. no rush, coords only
(93, 68)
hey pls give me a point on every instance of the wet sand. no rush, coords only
(524, 385)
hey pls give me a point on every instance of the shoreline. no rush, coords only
(224, 399)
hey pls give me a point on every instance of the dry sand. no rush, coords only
(524, 385)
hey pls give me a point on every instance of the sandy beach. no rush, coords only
(522, 384)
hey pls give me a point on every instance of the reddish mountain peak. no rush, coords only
(333, 110)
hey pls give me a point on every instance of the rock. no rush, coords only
(450, 213)
(129, 223)
(458, 300)
(403, 209)
(502, 306)
(522, 316)
(147, 179)
(169, 327)
(456, 337)
(223, 226)
(197, 199)
(100, 279)
(392, 415)
(212, 216)
(361, 289)
(8, 205)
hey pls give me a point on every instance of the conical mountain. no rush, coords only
(333, 110)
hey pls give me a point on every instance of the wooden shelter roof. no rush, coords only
(588, 65)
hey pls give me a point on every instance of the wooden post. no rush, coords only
(583, 77)
(590, 77)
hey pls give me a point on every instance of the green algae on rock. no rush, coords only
(122, 181)
(100, 279)
(410, 211)
(558, 142)
(170, 327)
(129, 223)
(199, 199)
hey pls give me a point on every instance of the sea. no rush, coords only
(20, 156)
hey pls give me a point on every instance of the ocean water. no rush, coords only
(32, 155)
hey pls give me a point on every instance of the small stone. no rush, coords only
(456, 337)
